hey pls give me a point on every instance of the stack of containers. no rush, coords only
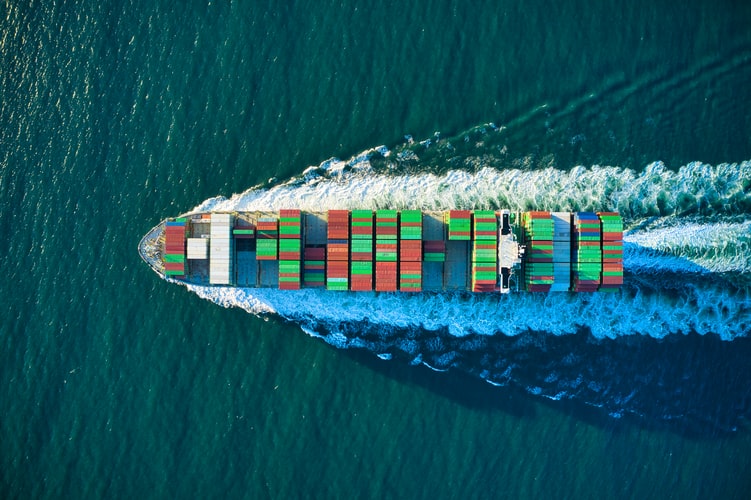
(561, 251)
(386, 250)
(361, 275)
(337, 250)
(538, 230)
(361, 265)
(459, 224)
(484, 251)
(410, 276)
(410, 225)
(174, 247)
(434, 251)
(587, 258)
(289, 274)
(290, 223)
(612, 251)
(267, 233)
(314, 267)
(220, 250)
(410, 236)
(198, 249)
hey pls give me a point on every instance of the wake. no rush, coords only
(687, 254)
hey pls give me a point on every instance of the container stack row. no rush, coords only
(538, 269)
(410, 251)
(410, 225)
(337, 250)
(267, 237)
(410, 276)
(484, 266)
(220, 249)
(174, 247)
(612, 251)
(561, 251)
(361, 245)
(459, 224)
(314, 266)
(290, 231)
(386, 250)
(587, 255)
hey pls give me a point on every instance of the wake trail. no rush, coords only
(687, 239)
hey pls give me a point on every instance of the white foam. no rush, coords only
(655, 191)
(717, 247)
(704, 310)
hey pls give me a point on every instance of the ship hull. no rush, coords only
(391, 251)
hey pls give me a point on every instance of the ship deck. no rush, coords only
(451, 275)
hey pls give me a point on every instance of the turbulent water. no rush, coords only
(687, 261)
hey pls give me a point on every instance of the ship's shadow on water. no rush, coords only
(692, 385)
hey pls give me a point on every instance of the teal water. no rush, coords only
(115, 115)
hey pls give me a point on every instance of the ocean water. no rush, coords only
(115, 115)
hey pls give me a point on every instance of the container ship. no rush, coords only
(477, 251)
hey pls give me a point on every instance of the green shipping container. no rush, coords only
(411, 216)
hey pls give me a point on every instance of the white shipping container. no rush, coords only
(198, 248)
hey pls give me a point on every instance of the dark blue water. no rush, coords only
(116, 114)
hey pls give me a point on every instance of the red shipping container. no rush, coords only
(411, 267)
(315, 253)
(289, 285)
(361, 285)
(613, 237)
(337, 252)
(538, 214)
